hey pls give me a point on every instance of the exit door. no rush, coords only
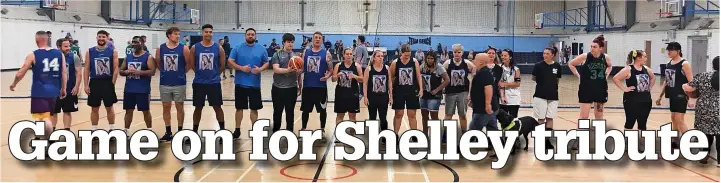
(699, 53)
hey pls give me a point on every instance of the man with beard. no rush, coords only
(250, 59)
(139, 68)
(172, 61)
(69, 104)
(101, 72)
(207, 77)
(314, 81)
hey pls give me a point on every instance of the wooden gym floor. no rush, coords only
(165, 168)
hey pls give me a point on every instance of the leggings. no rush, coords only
(378, 107)
(710, 142)
(511, 109)
(283, 99)
(636, 112)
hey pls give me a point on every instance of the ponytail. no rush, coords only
(633, 55)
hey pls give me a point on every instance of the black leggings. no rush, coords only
(511, 109)
(636, 112)
(379, 108)
(710, 142)
(283, 99)
(306, 116)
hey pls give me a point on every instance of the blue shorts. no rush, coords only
(430, 104)
(141, 100)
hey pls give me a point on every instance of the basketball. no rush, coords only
(295, 62)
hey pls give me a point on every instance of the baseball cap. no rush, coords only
(673, 46)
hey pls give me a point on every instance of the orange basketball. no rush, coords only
(295, 62)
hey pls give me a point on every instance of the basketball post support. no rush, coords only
(689, 7)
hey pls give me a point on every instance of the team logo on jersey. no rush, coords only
(206, 61)
(457, 77)
(102, 66)
(379, 83)
(170, 62)
(427, 82)
(643, 83)
(313, 64)
(405, 76)
(555, 71)
(344, 79)
(134, 66)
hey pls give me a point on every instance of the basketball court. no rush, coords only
(521, 167)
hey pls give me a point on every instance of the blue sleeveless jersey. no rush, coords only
(314, 68)
(46, 73)
(172, 65)
(207, 64)
(101, 63)
(70, 66)
(136, 83)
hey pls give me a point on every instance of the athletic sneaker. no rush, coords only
(236, 134)
(167, 137)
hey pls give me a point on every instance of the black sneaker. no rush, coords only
(166, 138)
(236, 135)
(549, 145)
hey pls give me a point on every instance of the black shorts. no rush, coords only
(678, 104)
(587, 95)
(247, 98)
(102, 90)
(314, 97)
(212, 91)
(66, 105)
(141, 100)
(347, 104)
(406, 101)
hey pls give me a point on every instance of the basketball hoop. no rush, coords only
(60, 6)
(665, 14)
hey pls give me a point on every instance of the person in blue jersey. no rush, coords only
(172, 60)
(48, 82)
(249, 59)
(208, 62)
(285, 90)
(69, 104)
(317, 69)
(101, 72)
(138, 69)
(592, 69)
(406, 88)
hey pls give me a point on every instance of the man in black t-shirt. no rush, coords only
(483, 98)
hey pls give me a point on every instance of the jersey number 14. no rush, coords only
(52, 64)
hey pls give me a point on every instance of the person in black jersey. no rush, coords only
(406, 88)
(435, 80)
(347, 74)
(592, 69)
(637, 90)
(375, 87)
(677, 73)
(483, 96)
(547, 74)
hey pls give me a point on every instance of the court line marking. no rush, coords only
(682, 167)
(216, 166)
(423, 170)
(231, 169)
(245, 173)
(254, 162)
(389, 168)
(408, 173)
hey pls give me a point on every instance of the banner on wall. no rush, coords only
(412, 41)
